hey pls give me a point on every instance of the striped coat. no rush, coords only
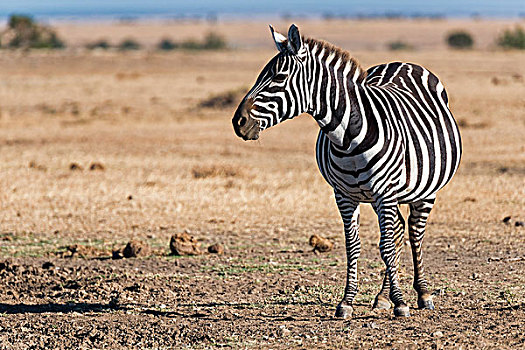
(387, 137)
(405, 140)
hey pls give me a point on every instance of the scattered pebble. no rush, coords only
(96, 166)
(117, 254)
(437, 334)
(48, 265)
(216, 248)
(6, 236)
(75, 166)
(184, 244)
(519, 223)
(282, 331)
(439, 292)
(372, 325)
(80, 250)
(321, 244)
(34, 165)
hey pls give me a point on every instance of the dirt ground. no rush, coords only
(167, 165)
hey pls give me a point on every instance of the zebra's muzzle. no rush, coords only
(245, 126)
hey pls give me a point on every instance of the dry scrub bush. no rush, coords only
(23, 32)
(205, 171)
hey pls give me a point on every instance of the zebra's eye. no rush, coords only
(279, 78)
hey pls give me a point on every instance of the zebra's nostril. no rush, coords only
(242, 121)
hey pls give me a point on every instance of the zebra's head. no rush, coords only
(280, 92)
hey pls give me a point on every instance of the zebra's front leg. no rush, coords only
(382, 301)
(350, 214)
(417, 220)
(387, 214)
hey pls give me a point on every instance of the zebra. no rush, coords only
(387, 137)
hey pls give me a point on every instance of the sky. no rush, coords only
(238, 8)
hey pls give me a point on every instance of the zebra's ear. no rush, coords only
(279, 39)
(295, 41)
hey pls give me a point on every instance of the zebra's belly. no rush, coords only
(358, 177)
(406, 178)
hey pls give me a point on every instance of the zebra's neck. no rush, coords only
(335, 80)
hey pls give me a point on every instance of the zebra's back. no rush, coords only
(420, 148)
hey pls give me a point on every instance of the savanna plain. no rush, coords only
(101, 147)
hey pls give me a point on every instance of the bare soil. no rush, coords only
(166, 165)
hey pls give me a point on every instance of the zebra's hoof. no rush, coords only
(401, 311)
(381, 303)
(344, 311)
(427, 304)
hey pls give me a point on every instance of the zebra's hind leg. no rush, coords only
(417, 221)
(387, 213)
(382, 300)
(349, 211)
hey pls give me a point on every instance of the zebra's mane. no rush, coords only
(343, 55)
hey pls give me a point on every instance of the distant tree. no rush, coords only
(512, 39)
(191, 44)
(23, 32)
(460, 40)
(129, 44)
(399, 45)
(214, 41)
(211, 41)
(167, 44)
(99, 44)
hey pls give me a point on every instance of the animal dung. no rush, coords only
(321, 244)
(184, 244)
(82, 251)
(75, 166)
(96, 166)
(216, 248)
(135, 249)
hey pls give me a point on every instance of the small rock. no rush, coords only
(135, 287)
(5, 265)
(184, 244)
(6, 237)
(34, 165)
(372, 325)
(130, 197)
(96, 166)
(136, 248)
(117, 254)
(321, 244)
(475, 276)
(439, 292)
(216, 248)
(437, 334)
(48, 265)
(83, 251)
(75, 166)
(519, 223)
(114, 301)
(506, 220)
(283, 331)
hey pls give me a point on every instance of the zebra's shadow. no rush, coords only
(55, 308)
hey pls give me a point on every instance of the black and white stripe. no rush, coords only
(387, 138)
